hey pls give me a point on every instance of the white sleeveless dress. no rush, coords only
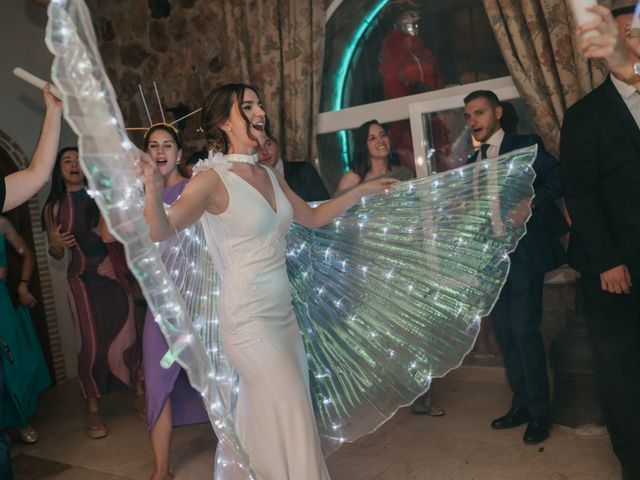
(274, 418)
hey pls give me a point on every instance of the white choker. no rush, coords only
(239, 158)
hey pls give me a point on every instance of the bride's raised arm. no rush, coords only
(198, 195)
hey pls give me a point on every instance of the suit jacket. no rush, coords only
(600, 162)
(305, 181)
(540, 248)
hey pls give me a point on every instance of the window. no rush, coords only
(408, 66)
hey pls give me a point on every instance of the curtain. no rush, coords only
(538, 44)
(277, 45)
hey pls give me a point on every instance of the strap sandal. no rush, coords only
(95, 425)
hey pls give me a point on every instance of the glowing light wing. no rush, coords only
(391, 294)
(108, 157)
(388, 296)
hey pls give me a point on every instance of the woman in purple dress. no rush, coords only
(170, 399)
(99, 298)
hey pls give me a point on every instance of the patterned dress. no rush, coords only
(101, 304)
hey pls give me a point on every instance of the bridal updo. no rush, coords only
(217, 109)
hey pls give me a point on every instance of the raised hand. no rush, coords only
(606, 43)
(51, 102)
(153, 181)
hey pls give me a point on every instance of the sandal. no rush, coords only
(141, 407)
(95, 425)
(28, 434)
(436, 411)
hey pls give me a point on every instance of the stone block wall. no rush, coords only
(178, 44)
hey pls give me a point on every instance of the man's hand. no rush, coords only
(616, 280)
(607, 43)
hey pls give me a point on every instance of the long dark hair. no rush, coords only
(217, 109)
(58, 192)
(360, 163)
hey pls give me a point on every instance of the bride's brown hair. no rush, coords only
(217, 109)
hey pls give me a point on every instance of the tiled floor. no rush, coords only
(459, 446)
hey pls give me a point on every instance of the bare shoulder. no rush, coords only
(351, 176)
(205, 179)
(348, 180)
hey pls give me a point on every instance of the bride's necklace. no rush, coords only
(240, 158)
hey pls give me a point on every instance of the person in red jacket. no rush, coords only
(408, 67)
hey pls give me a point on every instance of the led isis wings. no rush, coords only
(388, 296)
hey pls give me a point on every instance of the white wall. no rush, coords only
(22, 29)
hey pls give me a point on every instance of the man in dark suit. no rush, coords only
(600, 159)
(518, 312)
(300, 176)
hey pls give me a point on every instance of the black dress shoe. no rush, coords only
(537, 431)
(514, 417)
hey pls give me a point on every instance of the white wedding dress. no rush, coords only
(260, 334)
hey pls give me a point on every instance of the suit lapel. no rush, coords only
(620, 110)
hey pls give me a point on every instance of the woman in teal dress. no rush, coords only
(25, 371)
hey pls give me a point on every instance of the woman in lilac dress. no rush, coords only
(170, 399)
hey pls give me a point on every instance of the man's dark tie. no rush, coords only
(483, 150)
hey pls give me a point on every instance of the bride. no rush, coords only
(316, 339)
(247, 209)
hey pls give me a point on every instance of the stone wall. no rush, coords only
(177, 44)
(182, 45)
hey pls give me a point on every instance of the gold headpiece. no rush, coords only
(164, 120)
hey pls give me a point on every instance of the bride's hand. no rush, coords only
(150, 174)
(375, 186)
